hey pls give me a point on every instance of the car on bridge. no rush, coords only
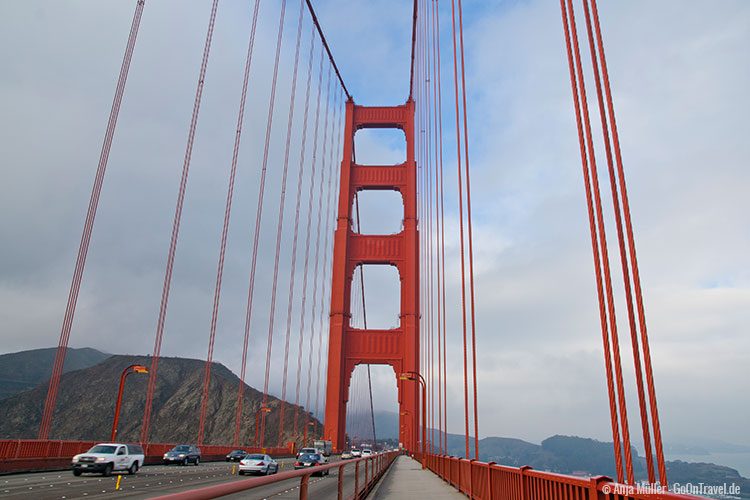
(356, 452)
(312, 451)
(367, 453)
(183, 454)
(347, 455)
(258, 464)
(307, 460)
(106, 458)
(236, 455)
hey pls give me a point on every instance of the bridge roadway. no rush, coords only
(155, 480)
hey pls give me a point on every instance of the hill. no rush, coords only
(21, 371)
(87, 398)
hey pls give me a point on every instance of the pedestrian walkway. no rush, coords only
(405, 479)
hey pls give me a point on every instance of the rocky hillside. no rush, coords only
(21, 371)
(87, 398)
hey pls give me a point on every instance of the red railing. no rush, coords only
(489, 481)
(367, 472)
(18, 455)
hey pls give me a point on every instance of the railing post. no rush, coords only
(489, 480)
(356, 480)
(304, 480)
(471, 479)
(458, 482)
(594, 486)
(341, 482)
(522, 477)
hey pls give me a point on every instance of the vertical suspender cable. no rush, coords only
(634, 261)
(461, 229)
(253, 267)
(310, 199)
(623, 253)
(604, 254)
(293, 266)
(440, 282)
(442, 230)
(176, 228)
(51, 399)
(595, 250)
(591, 165)
(326, 258)
(225, 231)
(282, 197)
(364, 321)
(428, 199)
(469, 227)
(316, 270)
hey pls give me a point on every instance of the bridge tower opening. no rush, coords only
(350, 346)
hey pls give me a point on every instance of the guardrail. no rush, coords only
(489, 481)
(367, 472)
(20, 455)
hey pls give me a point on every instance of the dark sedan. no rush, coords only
(307, 460)
(183, 454)
(236, 455)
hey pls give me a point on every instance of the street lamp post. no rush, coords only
(264, 410)
(304, 439)
(416, 376)
(127, 371)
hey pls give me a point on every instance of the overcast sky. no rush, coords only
(680, 75)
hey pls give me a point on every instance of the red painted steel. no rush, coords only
(623, 253)
(127, 371)
(631, 248)
(485, 481)
(349, 346)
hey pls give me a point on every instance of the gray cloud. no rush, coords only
(679, 80)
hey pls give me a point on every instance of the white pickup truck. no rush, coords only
(108, 457)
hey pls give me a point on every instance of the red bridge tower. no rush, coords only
(398, 347)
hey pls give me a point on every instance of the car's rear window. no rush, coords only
(103, 449)
(255, 457)
(182, 448)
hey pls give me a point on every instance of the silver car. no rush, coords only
(258, 464)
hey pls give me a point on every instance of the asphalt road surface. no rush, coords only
(155, 480)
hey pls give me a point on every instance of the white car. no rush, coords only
(258, 464)
(356, 453)
(367, 453)
(109, 457)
